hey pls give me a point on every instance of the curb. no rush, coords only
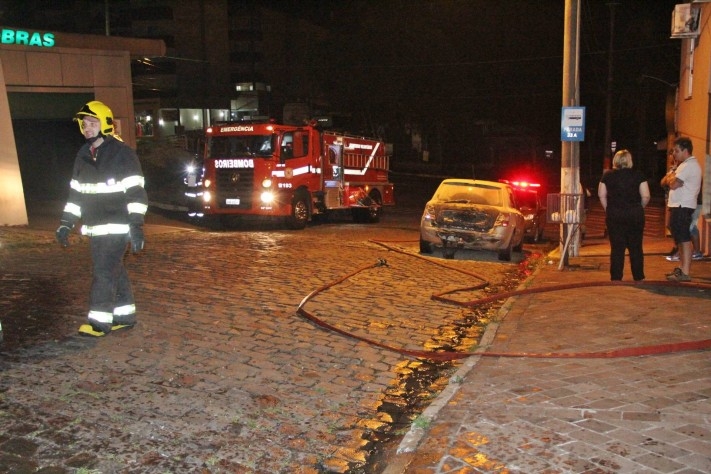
(414, 436)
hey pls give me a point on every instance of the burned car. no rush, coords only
(472, 214)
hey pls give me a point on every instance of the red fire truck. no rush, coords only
(265, 169)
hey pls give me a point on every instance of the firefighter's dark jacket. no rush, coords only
(108, 194)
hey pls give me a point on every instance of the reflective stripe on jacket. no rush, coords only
(108, 193)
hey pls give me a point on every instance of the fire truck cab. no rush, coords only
(290, 172)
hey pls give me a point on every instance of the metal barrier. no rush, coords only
(565, 208)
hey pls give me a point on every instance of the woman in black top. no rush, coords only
(623, 193)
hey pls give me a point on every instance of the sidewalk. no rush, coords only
(570, 412)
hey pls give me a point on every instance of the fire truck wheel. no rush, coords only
(299, 213)
(374, 212)
(369, 215)
(365, 215)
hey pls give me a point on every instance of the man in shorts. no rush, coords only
(684, 186)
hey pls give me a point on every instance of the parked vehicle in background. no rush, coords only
(472, 214)
(289, 172)
(533, 209)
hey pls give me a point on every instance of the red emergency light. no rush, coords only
(521, 184)
(525, 184)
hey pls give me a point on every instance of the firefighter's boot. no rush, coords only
(101, 329)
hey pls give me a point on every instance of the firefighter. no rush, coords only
(107, 193)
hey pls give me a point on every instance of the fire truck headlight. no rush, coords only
(267, 197)
(267, 183)
(207, 196)
(207, 183)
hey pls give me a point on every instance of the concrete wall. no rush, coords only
(12, 198)
(104, 74)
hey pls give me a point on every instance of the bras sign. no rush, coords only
(27, 38)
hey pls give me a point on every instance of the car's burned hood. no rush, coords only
(465, 216)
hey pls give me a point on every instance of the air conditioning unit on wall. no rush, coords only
(685, 21)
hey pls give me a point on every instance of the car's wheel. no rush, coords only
(518, 247)
(536, 234)
(505, 254)
(299, 213)
(425, 247)
(448, 252)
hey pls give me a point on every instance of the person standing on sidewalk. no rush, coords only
(684, 185)
(624, 193)
(696, 253)
(107, 193)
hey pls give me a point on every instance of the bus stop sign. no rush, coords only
(572, 126)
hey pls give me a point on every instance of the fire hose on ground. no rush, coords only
(442, 356)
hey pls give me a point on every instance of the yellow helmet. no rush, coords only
(100, 111)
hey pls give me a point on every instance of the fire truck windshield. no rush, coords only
(243, 145)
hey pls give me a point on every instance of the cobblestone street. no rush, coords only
(221, 374)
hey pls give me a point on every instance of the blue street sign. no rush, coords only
(572, 124)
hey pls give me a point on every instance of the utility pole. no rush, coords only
(107, 25)
(607, 149)
(570, 151)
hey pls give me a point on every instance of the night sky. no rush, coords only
(460, 61)
(447, 65)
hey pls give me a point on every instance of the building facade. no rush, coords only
(225, 60)
(691, 24)
(45, 78)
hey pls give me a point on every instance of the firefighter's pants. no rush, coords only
(111, 298)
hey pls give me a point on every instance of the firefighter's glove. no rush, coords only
(137, 239)
(62, 235)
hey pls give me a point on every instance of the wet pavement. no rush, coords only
(221, 374)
